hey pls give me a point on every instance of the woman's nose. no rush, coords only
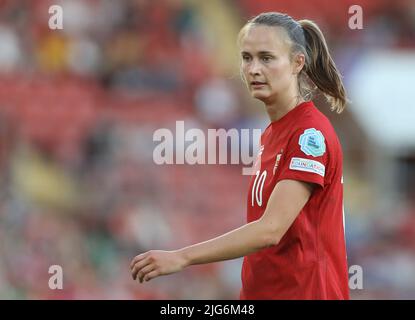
(255, 67)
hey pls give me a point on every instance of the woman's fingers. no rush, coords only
(139, 265)
(144, 271)
(151, 275)
(137, 259)
(155, 263)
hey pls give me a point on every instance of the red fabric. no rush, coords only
(310, 260)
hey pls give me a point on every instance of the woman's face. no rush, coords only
(266, 63)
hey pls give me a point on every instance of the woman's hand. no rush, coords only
(154, 263)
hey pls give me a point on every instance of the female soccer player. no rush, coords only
(293, 243)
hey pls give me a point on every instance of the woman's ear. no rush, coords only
(298, 63)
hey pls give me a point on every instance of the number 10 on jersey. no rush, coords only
(258, 186)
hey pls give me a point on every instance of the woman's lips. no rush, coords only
(257, 84)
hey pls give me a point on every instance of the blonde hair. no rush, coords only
(319, 67)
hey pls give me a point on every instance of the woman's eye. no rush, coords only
(266, 59)
(246, 58)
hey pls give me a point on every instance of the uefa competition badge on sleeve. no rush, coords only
(312, 143)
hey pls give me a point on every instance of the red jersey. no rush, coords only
(310, 261)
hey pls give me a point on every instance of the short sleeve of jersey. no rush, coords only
(306, 157)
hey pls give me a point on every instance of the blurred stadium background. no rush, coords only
(78, 108)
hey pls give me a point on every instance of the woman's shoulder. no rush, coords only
(313, 118)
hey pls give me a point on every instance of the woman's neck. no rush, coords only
(277, 109)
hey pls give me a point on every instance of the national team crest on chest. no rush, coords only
(277, 160)
(312, 143)
(257, 163)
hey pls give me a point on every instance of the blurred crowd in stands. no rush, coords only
(78, 109)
